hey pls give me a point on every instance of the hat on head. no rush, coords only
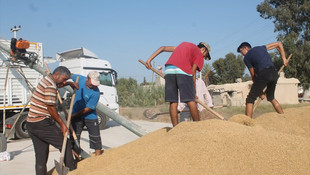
(244, 44)
(207, 46)
(94, 78)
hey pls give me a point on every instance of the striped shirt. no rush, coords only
(45, 94)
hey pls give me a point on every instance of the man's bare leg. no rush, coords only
(277, 106)
(174, 113)
(193, 110)
(98, 152)
(249, 109)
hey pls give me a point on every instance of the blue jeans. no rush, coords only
(93, 129)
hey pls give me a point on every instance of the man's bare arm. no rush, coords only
(82, 112)
(251, 70)
(279, 47)
(73, 85)
(157, 52)
(53, 111)
(194, 69)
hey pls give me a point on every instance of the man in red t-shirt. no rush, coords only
(180, 75)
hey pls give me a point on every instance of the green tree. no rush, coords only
(228, 69)
(206, 69)
(125, 89)
(131, 94)
(292, 21)
(206, 74)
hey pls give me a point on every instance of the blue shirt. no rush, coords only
(258, 58)
(85, 97)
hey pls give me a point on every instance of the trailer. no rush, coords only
(16, 84)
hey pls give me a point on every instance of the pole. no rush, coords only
(4, 96)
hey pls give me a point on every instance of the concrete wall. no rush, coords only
(235, 94)
(287, 90)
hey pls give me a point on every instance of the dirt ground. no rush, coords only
(157, 114)
(269, 144)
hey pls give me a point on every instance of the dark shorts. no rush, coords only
(183, 83)
(268, 77)
(43, 134)
(92, 128)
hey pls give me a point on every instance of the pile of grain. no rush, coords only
(269, 144)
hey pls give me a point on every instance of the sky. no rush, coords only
(123, 31)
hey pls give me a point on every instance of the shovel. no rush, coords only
(82, 153)
(60, 168)
(151, 115)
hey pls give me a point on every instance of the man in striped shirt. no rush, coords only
(42, 116)
(180, 75)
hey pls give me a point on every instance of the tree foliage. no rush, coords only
(125, 89)
(227, 70)
(131, 94)
(206, 72)
(292, 21)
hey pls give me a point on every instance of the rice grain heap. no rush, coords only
(269, 144)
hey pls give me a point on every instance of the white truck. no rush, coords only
(18, 94)
(18, 90)
(20, 76)
(82, 61)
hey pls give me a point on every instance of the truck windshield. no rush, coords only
(108, 77)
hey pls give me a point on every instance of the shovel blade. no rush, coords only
(61, 169)
(77, 148)
(84, 154)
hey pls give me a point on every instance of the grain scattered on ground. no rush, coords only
(269, 144)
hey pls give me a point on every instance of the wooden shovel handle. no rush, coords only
(154, 70)
(64, 144)
(209, 109)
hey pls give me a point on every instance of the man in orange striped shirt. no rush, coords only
(42, 116)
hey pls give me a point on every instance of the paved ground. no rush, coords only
(22, 152)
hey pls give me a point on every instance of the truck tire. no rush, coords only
(20, 128)
(102, 120)
(2, 143)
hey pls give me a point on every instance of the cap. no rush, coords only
(94, 78)
(206, 45)
(244, 44)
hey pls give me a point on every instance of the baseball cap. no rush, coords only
(244, 44)
(206, 45)
(94, 78)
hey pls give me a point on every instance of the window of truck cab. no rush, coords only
(107, 78)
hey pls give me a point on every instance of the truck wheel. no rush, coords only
(20, 128)
(2, 143)
(102, 120)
